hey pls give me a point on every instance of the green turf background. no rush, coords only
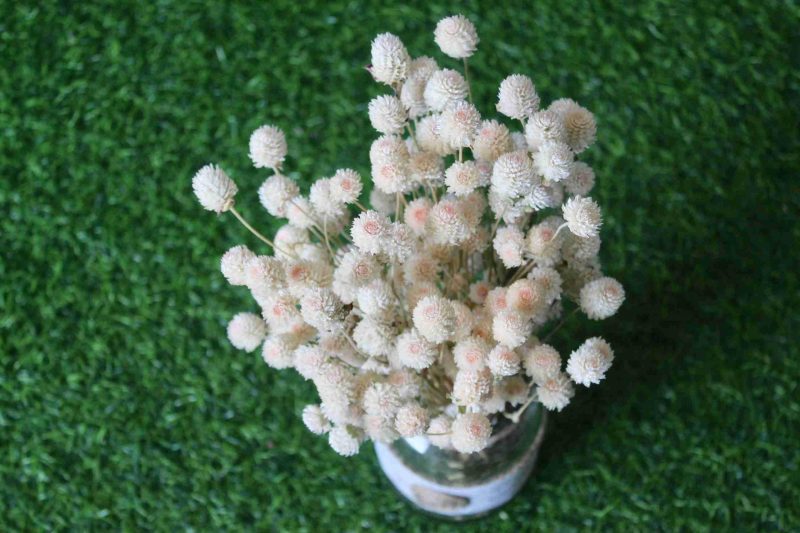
(122, 406)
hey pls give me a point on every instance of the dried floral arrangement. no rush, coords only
(419, 315)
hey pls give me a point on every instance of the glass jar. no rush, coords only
(461, 486)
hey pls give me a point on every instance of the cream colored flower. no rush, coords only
(491, 141)
(387, 114)
(513, 174)
(511, 328)
(439, 432)
(246, 331)
(503, 361)
(411, 420)
(434, 318)
(509, 244)
(268, 147)
(472, 386)
(344, 441)
(315, 421)
(233, 262)
(555, 392)
(369, 230)
(458, 124)
(582, 216)
(554, 161)
(542, 362)
(390, 59)
(462, 178)
(471, 432)
(517, 97)
(445, 87)
(579, 124)
(214, 189)
(415, 351)
(456, 36)
(601, 298)
(589, 363)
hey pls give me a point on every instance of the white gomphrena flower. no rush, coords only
(392, 178)
(387, 114)
(472, 386)
(447, 223)
(456, 36)
(426, 167)
(509, 243)
(549, 281)
(422, 67)
(511, 328)
(275, 194)
(411, 420)
(473, 206)
(470, 353)
(465, 321)
(580, 180)
(401, 243)
(346, 186)
(602, 298)
(390, 59)
(300, 212)
(513, 174)
(543, 195)
(382, 203)
(581, 248)
(376, 298)
(416, 214)
(421, 267)
(554, 161)
(322, 200)
(315, 420)
(380, 430)
(308, 360)
(445, 87)
(277, 352)
(280, 310)
(233, 262)
(369, 230)
(462, 178)
(264, 273)
(478, 291)
(496, 300)
(415, 351)
(491, 141)
(514, 389)
(458, 124)
(544, 242)
(435, 318)
(542, 362)
(388, 149)
(429, 138)
(583, 216)
(589, 363)
(343, 440)
(419, 290)
(335, 383)
(579, 123)
(525, 296)
(302, 275)
(382, 400)
(373, 337)
(246, 331)
(544, 126)
(503, 361)
(556, 392)
(471, 432)
(322, 309)
(268, 147)
(214, 189)
(412, 96)
(439, 432)
(517, 97)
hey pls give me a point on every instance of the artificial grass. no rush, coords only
(122, 406)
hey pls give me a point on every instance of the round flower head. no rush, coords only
(419, 290)
(583, 216)
(580, 180)
(471, 432)
(503, 361)
(447, 223)
(373, 337)
(214, 189)
(491, 141)
(542, 362)
(601, 298)
(445, 87)
(387, 114)
(554, 161)
(335, 383)
(426, 167)
(513, 174)
(369, 230)
(478, 292)
(246, 331)
(422, 67)
(390, 60)
(268, 147)
(388, 149)
(556, 392)
(544, 241)
(346, 186)
(392, 178)
(322, 309)
(472, 386)
(299, 212)
(315, 421)
(401, 242)
(456, 36)
(434, 318)
(308, 360)
(544, 126)
(549, 281)
(412, 96)
(525, 296)
(462, 178)
(264, 272)
(429, 138)
(322, 200)
(517, 97)
(508, 243)
(416, 214)
(470, 353)
(415, 351)
(233, 262)
(382, 400)
(496, 300)
(579, 124)
(376, 298)
(275, 194)
(589, 363)
(465, 321)
(411, 420)
(511, 328)
(344, 441)
(439, 432)
(277, 352)
(458, 124)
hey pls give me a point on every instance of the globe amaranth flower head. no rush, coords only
(214, 189)
(268, 147)
(456, 36)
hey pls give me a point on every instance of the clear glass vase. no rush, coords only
(462, 486)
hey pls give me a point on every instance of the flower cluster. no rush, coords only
(421, 315)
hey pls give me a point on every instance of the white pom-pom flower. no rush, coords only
(426, 168)
(434, 318)
(458, 124)
(411, 420)
(544, 242)
(278, 351)
(470, 353)
(268, 147)
(542, 362)
(445, 87)
(517, 97)
(412, 96)
(390, 59)
(544, 126)
(580, 180)
(415, 351)
(346, 186)
(554, 161)
(589, 363)
(233, 262)
(439, 432)
(387, 114)
(509, 243)
(264, 273)
(382, 400)
(601, 298)
(583, 216)
(472, 386)
(275, 194)
(373, 337)
(555, 392)
(315, 420)
(491, 141)
(344, 440)
(471, 432)
(369, 230)
(579, 124)
(416, 214)
(456, 36)
(511, 328)
(376, 298)
(503, 361)
(525, 296)
(300, 212)
(513, 174)
(447, 223)
(214, 189)
(462, 178)
(246, 331)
